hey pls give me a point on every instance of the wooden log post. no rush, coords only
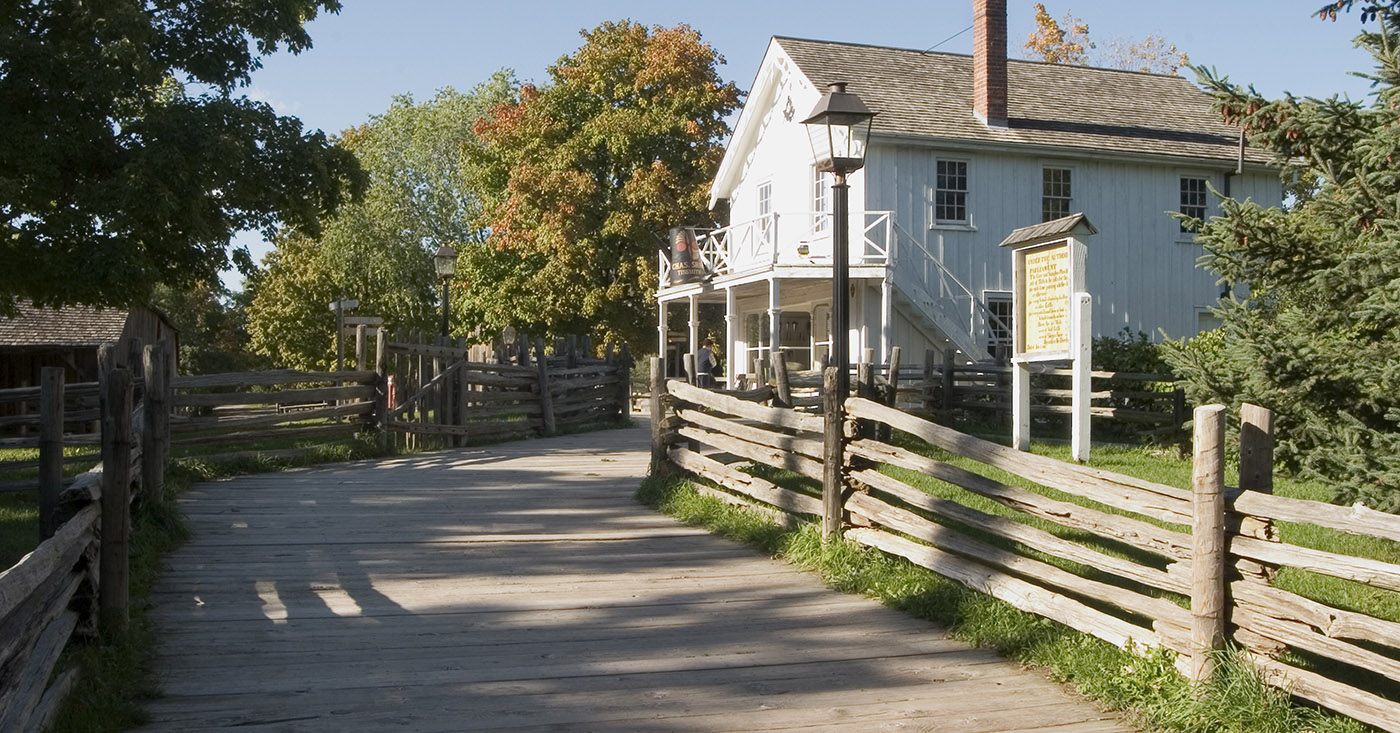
(1179, 416)
(782, 396)
(171, 364)
(833, 483)
(572, 360)
(546, 400)
(114, 551)
(882, 430)
(464, 389)
(927, 395)
(361, 347)
(658, 416)
(1208, 540)
(381, 389)
(1257, 474)
(688, 361)
(865, 388)
(624, 384)
(154, 406)
(50, 448)
(948, 364)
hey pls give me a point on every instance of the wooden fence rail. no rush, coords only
(75, 583)
(1130, 561)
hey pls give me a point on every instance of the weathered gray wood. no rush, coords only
(412, 349)
(50, 448)
(688, 363)
(28, 687)
(1133, 532)
(32, 590)
(153, 436)
(547, 426)
(280, 397)
(1019, 593)
(775, 416)
(775, 457)
(950, 539)
(1301, 636)
(269, 378)
(1362, 570)
(114, 583)
(195, 425)
(1356, 519)
(753, 486)
(833, 450)
(949, 364)
(624, 383)
(658, 416)
(1036, 539)
(46, 712)
(782, 393)
(1208, 613)
(296, 431)
(1148, 498)
(809, 447)
(1365, 706)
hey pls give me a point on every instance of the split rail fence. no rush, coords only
(1134, 562)
(76, 582)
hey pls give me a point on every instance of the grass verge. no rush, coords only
(1144, 686)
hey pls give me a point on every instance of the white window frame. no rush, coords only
(995, 340)
(1044, 196)
(1183, 234)
(821, 200)
(963, 223)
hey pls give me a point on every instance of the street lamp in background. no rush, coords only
(839, 130)
(445, 262)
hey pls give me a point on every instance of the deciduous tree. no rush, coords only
(128, 157)
(1315, 335)
(585, 172)
(1067, 42)
(1052, 43)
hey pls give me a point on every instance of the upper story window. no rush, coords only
(765, 198)
(821, 200)
(950, 192)
(1193, 200)
(1055, 193)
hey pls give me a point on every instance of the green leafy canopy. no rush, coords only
(127, 158)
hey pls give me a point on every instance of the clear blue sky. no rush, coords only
(375, 49)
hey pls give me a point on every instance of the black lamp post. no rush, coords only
(839, 130)
(445, 262)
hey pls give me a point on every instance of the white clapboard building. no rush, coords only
(964, 149)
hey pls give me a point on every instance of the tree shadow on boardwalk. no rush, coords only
(513, 588)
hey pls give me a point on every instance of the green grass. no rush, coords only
(1145, 686)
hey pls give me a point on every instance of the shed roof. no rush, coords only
(1053, 229)
(76, 325)
(1049, 105)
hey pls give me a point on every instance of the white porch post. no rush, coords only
(694, 326)
(775, 312)
(662, 329)
(731, 329)
(886, 316)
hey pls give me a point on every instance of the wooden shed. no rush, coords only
(69, 337)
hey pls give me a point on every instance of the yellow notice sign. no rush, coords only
(1046, 300)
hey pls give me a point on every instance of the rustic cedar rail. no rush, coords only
(78, 574)
(1170, 545)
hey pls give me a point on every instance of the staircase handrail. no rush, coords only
(901, 232)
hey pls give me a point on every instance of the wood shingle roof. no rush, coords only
(1050, 105)
(76, 325)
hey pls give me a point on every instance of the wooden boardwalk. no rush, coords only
(519, 587)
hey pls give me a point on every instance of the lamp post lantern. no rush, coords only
(839, 130)
(445, 262)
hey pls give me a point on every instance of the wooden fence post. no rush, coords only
(688, 361)
(1208, 540)
(948, 379)
(832, 448)
(546, 400)
(463, 390)
(50, 448)
(624, 389)
(112, 586)
(783, 394)
(658, 416)
(1179, 415)
(572, 360)
(1257, 474)
(883, 431)
(172, 356)
(381, 389)
(154, 406)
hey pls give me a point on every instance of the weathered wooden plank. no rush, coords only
(269, 378)
(1366, 707)
(775, 457)
(758, 488)
(1131, 494)
(1333, 622)
(1029, 536)
(810, 447)
(950, 539)
(295, 431)
(775, 416)
(1133, 532)
(1303, 637)
(1019, 593)
(53, 555)
(25, 690)
(281, 397)
(1362, 570)
(1356, 519)
(349, 409)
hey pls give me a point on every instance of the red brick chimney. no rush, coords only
(989, 61)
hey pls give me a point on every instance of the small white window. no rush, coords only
(1055, 193)
(1193, 200)
(950, 192)
(765, 198)
(821, 200)
(1000, 325)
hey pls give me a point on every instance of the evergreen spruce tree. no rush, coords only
(1315, 332)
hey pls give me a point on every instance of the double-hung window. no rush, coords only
(1000, 326)
(950, 192)
(1193, 200)
(821, 201)
(1055, 193)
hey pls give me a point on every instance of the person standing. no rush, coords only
(705, 364)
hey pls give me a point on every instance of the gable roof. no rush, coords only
(1049, 105)
(75, 325)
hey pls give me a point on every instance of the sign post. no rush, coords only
(339, 307)
(1052, 319)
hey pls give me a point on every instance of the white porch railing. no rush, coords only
(790, 238)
